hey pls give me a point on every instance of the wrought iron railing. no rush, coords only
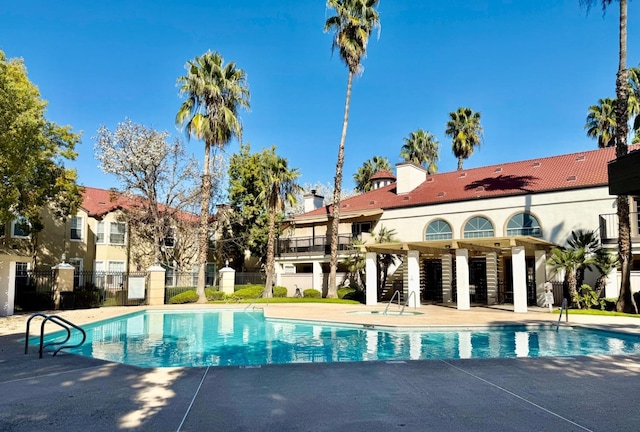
(312, 245)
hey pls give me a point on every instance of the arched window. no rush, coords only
(523, 224)
(438, 230)
(478, 227)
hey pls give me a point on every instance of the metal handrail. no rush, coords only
(412, 293)
(391, 301)
(65, 324)
(254, 300)
(564, 307)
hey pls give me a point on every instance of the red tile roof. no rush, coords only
(98, 202)
(383, 174)
(564, 172)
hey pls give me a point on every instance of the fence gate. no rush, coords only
(111, 288)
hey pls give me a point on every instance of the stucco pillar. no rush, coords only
(612, 287)
(227, 280)
(447, 277)
(7, 287)
(316, 279)
(63, 284)
(541, 275)
(156, 287)
(277, 269)
(371, 280)
(492, 278)
(519, 265)
(462, 279)
(413, 278)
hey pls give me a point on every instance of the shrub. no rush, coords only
(279, 291)
(185, 297)
(248, 293)
(214, 294)
(344, 291)
(311, 293)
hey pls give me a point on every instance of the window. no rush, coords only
(20, 227)
(100, 232)
(76, 228)
(438, 230)
(117, 231)
(170, 238)
(116, 266)
(358, 228)
(478, 227)
(523, 224)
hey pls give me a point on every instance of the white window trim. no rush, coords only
(13, 225)
(108, 235)
(81, 239)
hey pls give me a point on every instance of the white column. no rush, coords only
(277, 268)
(612, 287)
(492, 278)
(316, 281)
(371, 280)
(8, 289)
(462, 279)
(519, 265)
(541, 275)
(413, 276)
(447, 277)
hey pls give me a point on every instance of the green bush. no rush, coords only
(185, 297)
(279, 291)
(311, 293)
(248, 286)
(609, 303)
(248, 293)
(214, 294)
(344, 291)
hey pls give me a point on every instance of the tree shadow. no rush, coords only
(503, 183)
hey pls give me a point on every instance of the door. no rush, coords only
(432, 281)
(478, 280)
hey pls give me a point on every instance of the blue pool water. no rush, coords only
(237, 338)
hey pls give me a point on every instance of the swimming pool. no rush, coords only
(237, 338)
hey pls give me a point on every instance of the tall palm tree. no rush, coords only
(214, 94)
(362, 177)
(634, 102)
(625, 299)
(601, 122)
(352, 25)
(465, 130)
(422, 148)
(281, 189)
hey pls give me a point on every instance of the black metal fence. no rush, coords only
(103, 288)
(34, 290)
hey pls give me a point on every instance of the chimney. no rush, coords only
(312, 201)
(410, 176)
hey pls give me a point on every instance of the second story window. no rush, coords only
(170, 238)
(117, 231)
(357, 228)
(100, 232)
(76, 228)
(20, 228)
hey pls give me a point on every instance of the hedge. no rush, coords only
(184, 297)
(311, 293)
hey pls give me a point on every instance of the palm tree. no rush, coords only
(422, 148)
(604, 262)
(214, 93)
(567, 260)
(601, 122)
(352, 25)
(362, 177)
(625, 299)
(589, 242)
(384, 261)
(280, 189)
(634, 102)
(465, 130)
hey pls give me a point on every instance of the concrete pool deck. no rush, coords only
(71, 393)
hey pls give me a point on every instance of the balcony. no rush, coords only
(609, 227)
(307, 246)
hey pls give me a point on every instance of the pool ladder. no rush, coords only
(412, 293)
(254, 300)
(65, 324)
(564, 308)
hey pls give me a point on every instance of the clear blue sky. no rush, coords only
(531, 67)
